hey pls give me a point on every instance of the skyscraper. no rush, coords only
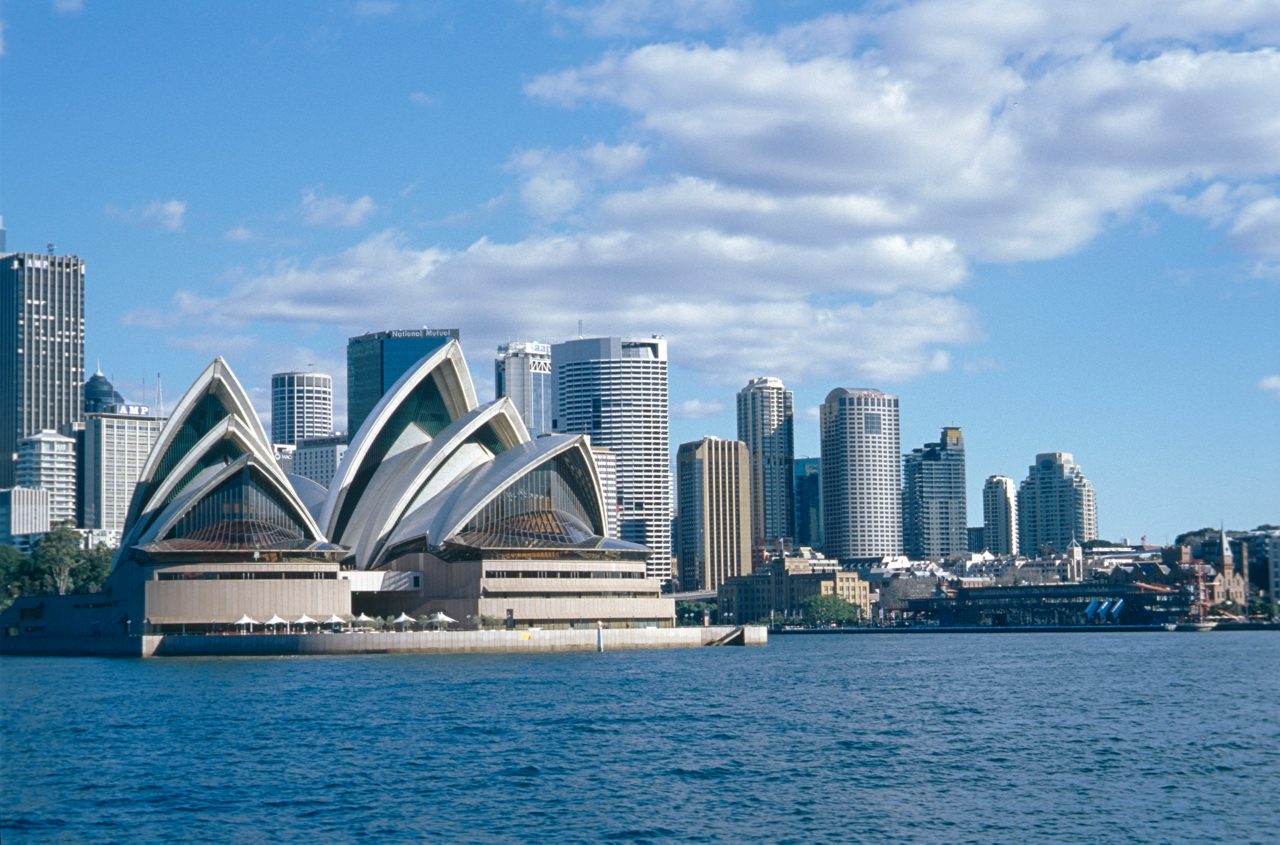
(47, 461)
(1000, 515)
(808, 480)
(41, 349)
(713, 521)
(116, 447)
(861, 474)
(301, 407)
(376, 361)
(766, 425)
(934, 506)
(318, 458)
(1056, 504)
(607, 469)
(615, 390)
(522, 372)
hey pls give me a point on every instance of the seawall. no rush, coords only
(387, 642)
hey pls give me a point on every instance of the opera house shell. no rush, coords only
(440, 505)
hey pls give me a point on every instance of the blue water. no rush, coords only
(963, 738)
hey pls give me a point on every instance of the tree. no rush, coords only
(92, 568)
(820, 611)
(691, 612)
(55, 558)
(14, 566)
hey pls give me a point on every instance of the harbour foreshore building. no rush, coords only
(41, 349)
(522, 373)
(861, 474)
(777, 591)
(375, 361)
(766, 425)
(1000, 515)
(713, 519)
(934, 504)
(614, 390)
(301, 407)
(1056, 504)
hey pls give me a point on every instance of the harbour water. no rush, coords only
(1155, 737)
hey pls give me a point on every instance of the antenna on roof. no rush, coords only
(579, 329)
(159, 395)
(49, 246)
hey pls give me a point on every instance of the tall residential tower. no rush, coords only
(615, 390)
(766, 425)
(934, 506)
(861, 474)
(1000, 515)
(1056, 504)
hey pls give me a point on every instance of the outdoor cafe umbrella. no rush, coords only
(335, 619)
(404, 618)
(247, 620)
(438, 618)
(304, 619)
(276, 620)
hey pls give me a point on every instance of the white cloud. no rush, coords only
(239, 234)
(3, 26)
(319, 210)
(636, 17)
(697, 409)
(1271, 384)
(68, 7)
(164, 215)
(376, 8)
(421, 98)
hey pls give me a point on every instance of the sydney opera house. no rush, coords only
(441, 504)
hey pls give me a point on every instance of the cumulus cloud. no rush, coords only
(239, 234)
(68, 7)
(1270, 384)
(421, 98)
(818, 195)
(164, 215)
(335, 211)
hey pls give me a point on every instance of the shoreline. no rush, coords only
(1017, 629)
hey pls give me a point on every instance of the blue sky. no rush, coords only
(1055, 225)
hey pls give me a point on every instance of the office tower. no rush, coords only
(861, 474)
(808, 510)
(766, 425)
(24, 516)
(713, 520)
(41, 349)
(301, 407)
(47, 461)
(522, 373)
(615, 390)
(934, 508)
(115, 450)
(376, 361)
(318, 458)
(1000, 515)
(977, 538)
(607, 469)
(1056, 504)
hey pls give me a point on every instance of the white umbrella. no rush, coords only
(275, 620)
(438, 618)
(247, 620)
(304, 619)
(335, 619)
(364, 617)
(404, 618)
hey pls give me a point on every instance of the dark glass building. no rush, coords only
(808, 485)
(376, 361)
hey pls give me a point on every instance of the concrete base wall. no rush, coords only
(386, 642)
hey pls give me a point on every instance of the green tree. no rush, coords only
(92, 568)
(55, 558)
(820, 611)
(691, 612)
(14, 566)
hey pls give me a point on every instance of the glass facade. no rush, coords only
(241, 513)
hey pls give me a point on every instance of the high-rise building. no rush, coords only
(1056, 504)
(47, 461)
(116, 447)
(522, 373)
(766, 425)
(1000, 515)
(376, 361)
(318, 458)
(607, 469)
(808, 511)
(24, 516)
(861, 474)
(301, 407)
(100, 395)
(934, 506)
(713, 520)
(1273, 572)
(41, 349)
(615, 390)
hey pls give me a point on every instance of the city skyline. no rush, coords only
(516, 197)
